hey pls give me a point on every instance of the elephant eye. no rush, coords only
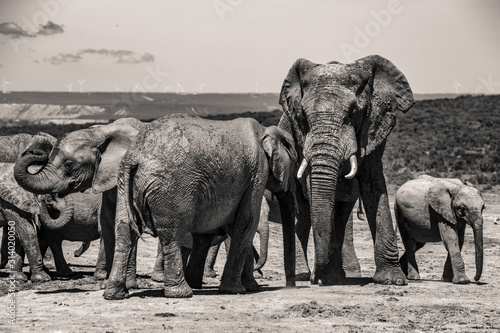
(68, 164)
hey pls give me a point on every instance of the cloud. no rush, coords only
(50, 29)
(12, 30)
(121, 56)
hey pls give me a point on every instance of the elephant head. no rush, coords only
(83, 159)
(337, 113)
(282, 158)
(460, 203)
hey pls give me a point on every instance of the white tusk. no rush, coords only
(354, 167)
(302, 168)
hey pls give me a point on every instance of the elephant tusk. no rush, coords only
(354, 167)
(302, 168)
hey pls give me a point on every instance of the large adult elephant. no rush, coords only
(337, 113)
(81, 160)
(188, 174)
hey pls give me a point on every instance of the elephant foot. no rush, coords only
(115, 290)
(209, 273)
(328, 275)
(157, 276)
(390, 275)
(413, 275)
(64, 272)
(194, 283)
(181, 290)
(250, 285)
(235, 287)
(460, 279)
(19, 276)
(131, 283)
(303, 276)
(100, 275)
(40, 277)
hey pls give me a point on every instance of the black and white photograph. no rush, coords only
(249, 166)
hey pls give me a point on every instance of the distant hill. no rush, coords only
(75, 107)
(447, 137)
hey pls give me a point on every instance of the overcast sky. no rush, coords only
(242, 45)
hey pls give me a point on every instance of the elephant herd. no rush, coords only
(192, 181)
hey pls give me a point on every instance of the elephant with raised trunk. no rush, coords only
(81, 160)
(432, 209)
(56, 219)
(342, 114)
(188, 174)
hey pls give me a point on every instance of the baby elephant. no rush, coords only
(432, 209)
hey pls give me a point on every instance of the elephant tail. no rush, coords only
(129, 172)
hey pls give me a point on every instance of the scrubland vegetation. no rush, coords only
(443, 137)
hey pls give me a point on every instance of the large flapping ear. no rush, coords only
(113, 142)
(280, 150)
(12, 193)
(387, 92)
(440, 199)
(291, 96)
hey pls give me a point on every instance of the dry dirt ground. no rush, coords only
(429, 305)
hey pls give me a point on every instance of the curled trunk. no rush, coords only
(478, 241)
(56, 219)
(40, 182)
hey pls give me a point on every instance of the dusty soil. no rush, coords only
(429, 305)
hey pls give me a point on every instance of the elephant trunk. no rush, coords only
(57, 218)
(40, 182)
(478, 241)
(264, 238)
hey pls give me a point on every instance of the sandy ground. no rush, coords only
(429, 305)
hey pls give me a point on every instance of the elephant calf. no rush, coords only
(432, 209)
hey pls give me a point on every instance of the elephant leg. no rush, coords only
(17, 271)
(157, 273)
(55, 240)
(196, 263)
(125, 241)
(375, 200)
(107, 222)
(100, 266)
(288, 214)
(175, 285)
(247, 277)
(4, 252)
(242, 232)
(302, 231)
(210, 262)
(350, 262)
(454, 268)
(408, 260)
(131, 277)
(28, 239)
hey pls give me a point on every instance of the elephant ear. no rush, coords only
(385, 92)
(114, 141)
(12, 193)
(282, 157)
(291, 96)
(440, 199)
